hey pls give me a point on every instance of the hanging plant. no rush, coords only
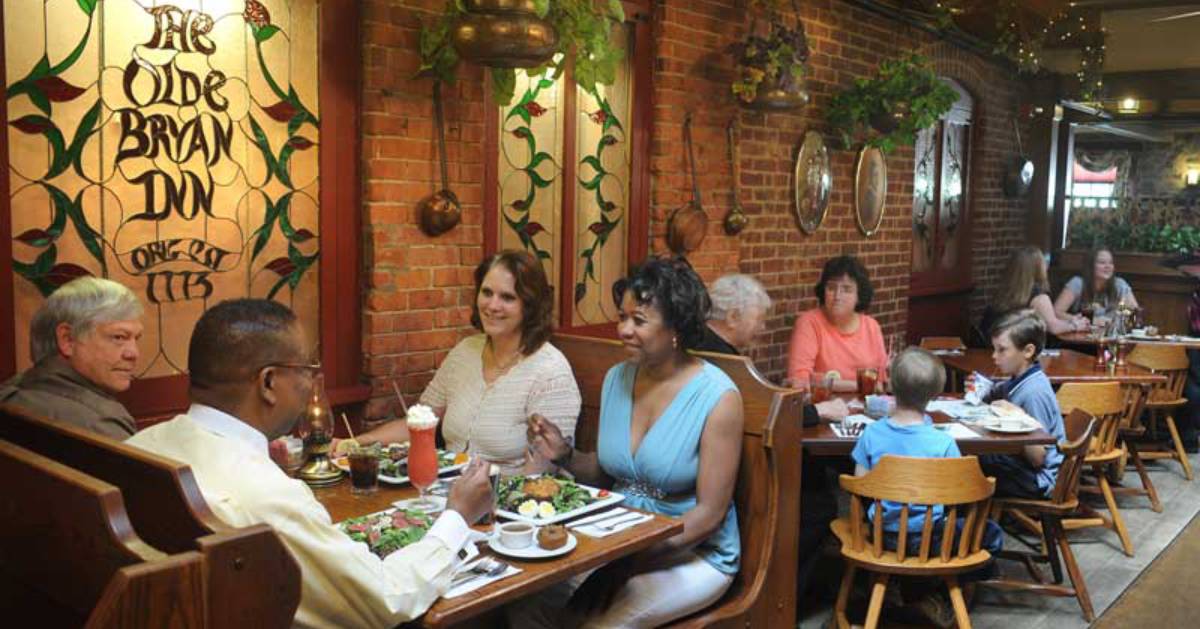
(905, 98)
(584, 29)
(771, 69)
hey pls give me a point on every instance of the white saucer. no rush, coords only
(439, 504)
(996, 426)
(532, 551)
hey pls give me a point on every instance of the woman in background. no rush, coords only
(1097, 284)
(1024, 285)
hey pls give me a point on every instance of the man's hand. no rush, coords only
(471, 494)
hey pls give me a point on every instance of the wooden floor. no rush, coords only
(1166, 591)
(1108, 572)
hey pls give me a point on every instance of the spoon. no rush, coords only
(441, 211)
(736, 219)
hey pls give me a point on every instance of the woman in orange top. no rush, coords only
(838, 336)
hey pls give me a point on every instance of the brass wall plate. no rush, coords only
(814, 181)
(870, 190)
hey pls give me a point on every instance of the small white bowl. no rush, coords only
(517, 534)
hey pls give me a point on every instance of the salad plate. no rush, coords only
(547, 499)
(387, 531)
(393, 467)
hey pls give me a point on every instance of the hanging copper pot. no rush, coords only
(774, 96)
(439, 212)
(688, 224)
(503, 34)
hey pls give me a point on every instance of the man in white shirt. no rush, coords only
(251, 378)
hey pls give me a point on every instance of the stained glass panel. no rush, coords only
(530, 169)
(954, 155)
(171, 146)
(924, 184)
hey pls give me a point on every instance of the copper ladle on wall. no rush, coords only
(689, 223)
(441, 211)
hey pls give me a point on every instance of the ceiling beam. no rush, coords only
(1124, 5)
(1154, 84)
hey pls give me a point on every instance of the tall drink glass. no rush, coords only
(867, 378)
(422, 453)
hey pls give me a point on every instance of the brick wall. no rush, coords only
(417, 302)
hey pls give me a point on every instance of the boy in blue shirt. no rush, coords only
(917, 376)
(1017, 339)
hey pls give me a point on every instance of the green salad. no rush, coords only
(563, 493)
(388, 531)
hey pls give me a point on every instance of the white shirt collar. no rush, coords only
(227, 425)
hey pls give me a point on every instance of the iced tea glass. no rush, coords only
(868, 377)
(364, 469)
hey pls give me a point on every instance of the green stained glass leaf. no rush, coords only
(580, 291)
(267, 32)
(538, 158)
(282, 210)
(87, 125)
(522, 113)
(545, 83)
(88, 6)
(537, 179)
(593, 183)
(264, 230)
(260, 140)
(594, 162)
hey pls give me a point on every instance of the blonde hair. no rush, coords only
(917, 376)
(1024, 274)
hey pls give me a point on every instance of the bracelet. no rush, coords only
(565, 459)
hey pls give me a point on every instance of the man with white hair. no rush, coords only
(84, 346)
(738, 314)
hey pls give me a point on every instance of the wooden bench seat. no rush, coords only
(768, 486)
(251, 579)
(69, 557)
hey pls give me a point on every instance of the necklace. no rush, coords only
(502, 367)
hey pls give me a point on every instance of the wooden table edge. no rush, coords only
(506, 591)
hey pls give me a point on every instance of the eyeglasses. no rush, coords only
(312, 368)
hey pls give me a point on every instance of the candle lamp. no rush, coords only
(316, 428)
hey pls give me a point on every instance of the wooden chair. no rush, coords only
(251, 579)
(1079, 427)
(950, 343)
(956, 483)
(69, 557)
(1163, 399)
(763, 592)
(1104, 401)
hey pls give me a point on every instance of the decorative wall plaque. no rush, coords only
(813, 182)
(870, 189)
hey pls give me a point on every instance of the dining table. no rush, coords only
(822, 440)
(535, 574)
(1059, 365)
(1090, 340)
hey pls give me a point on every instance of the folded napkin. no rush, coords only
(604, 515)
(476, 583)
(594, 530)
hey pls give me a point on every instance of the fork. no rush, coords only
(486, 567)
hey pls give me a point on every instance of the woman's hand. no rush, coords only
(833, 410)
(546, 441)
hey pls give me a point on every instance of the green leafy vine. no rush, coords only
(610, 213)
(527, 230)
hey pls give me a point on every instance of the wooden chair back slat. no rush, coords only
(956, 484)
(1168, 360)
(951, 343)
(1105, 401)
(762, 593)
(1079, 427)
(66, 536)
(167, 509)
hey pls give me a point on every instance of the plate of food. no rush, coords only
(552, 540)
(1008, 417)
(393, 463)
(548, 499)
(387, 531)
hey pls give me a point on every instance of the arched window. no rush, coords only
(940, 255)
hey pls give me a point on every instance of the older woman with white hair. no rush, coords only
(84, 346)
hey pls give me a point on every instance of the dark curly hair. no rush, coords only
(671, 285)
(532, 287)
(848, 266)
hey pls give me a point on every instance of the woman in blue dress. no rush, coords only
(670, 439)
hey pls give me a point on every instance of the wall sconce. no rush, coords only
(1128, 105)
(1192, 176)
